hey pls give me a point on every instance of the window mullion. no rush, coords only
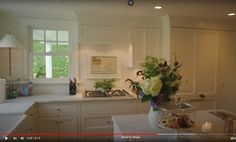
(57, 40)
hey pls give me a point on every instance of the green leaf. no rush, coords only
(146, 98)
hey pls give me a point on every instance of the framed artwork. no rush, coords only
(104, 65)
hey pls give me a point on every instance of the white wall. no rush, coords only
(124, 21)
(9, 24)
(126, 72)
(20, 26)
(23, 24)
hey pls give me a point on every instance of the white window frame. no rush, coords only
(31, 54)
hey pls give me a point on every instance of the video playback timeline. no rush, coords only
(19, 138)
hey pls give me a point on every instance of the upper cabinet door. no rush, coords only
(154, 43)
(183, 41)
(103, 35)
(145, 42)
(197, 50)
(139, 45)
(206, 61)
(226, 71)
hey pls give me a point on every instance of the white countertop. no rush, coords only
(9, 122)
(13, 111)
(21, 104)
(44, 98)
(14, 108)
(138, 124)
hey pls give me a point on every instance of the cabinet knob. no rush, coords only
(108, 122)
(58, 109)
(60, 121)
(31, 114)
(56, 121)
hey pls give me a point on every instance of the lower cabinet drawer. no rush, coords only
(90, 122)
(117, 106)
(57, 109)
(96, 128)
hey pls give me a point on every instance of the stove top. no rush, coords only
(94, 93)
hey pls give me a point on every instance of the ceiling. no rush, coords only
(196, 8)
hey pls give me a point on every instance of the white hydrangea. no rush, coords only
(151, 86)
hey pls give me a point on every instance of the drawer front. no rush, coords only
(95, 122)
(68, 109)
(57, 109)
(109, 106)
(48, 109)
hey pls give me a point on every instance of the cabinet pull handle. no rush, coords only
(31, 114)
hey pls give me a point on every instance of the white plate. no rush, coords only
(180, 129)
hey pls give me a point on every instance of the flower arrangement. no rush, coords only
(160, 81)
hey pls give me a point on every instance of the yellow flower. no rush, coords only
(151, 86)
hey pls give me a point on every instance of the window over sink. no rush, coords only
(50, 54)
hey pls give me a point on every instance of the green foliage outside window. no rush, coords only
(59, 66)
(39, 69)
(59, 63)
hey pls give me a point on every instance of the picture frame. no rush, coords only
(103, 65)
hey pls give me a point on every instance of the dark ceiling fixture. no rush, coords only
(130, 2)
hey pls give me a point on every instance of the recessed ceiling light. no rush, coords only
(158, 7)
(231, 14)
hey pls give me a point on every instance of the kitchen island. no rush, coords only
(137, 128)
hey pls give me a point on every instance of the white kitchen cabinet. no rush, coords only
(29, 124)
(67, 125)
(103, 35)
(139, 46)
(183, 49)
(57, 109)
(96, 117)
(93, 124)
(226, 71)
(32, 120)
(145, 42)
(58, 119)
(22, 127)
(206, 62)
(58, 126)
(197, 51)
(154, 42)
(48, 125)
